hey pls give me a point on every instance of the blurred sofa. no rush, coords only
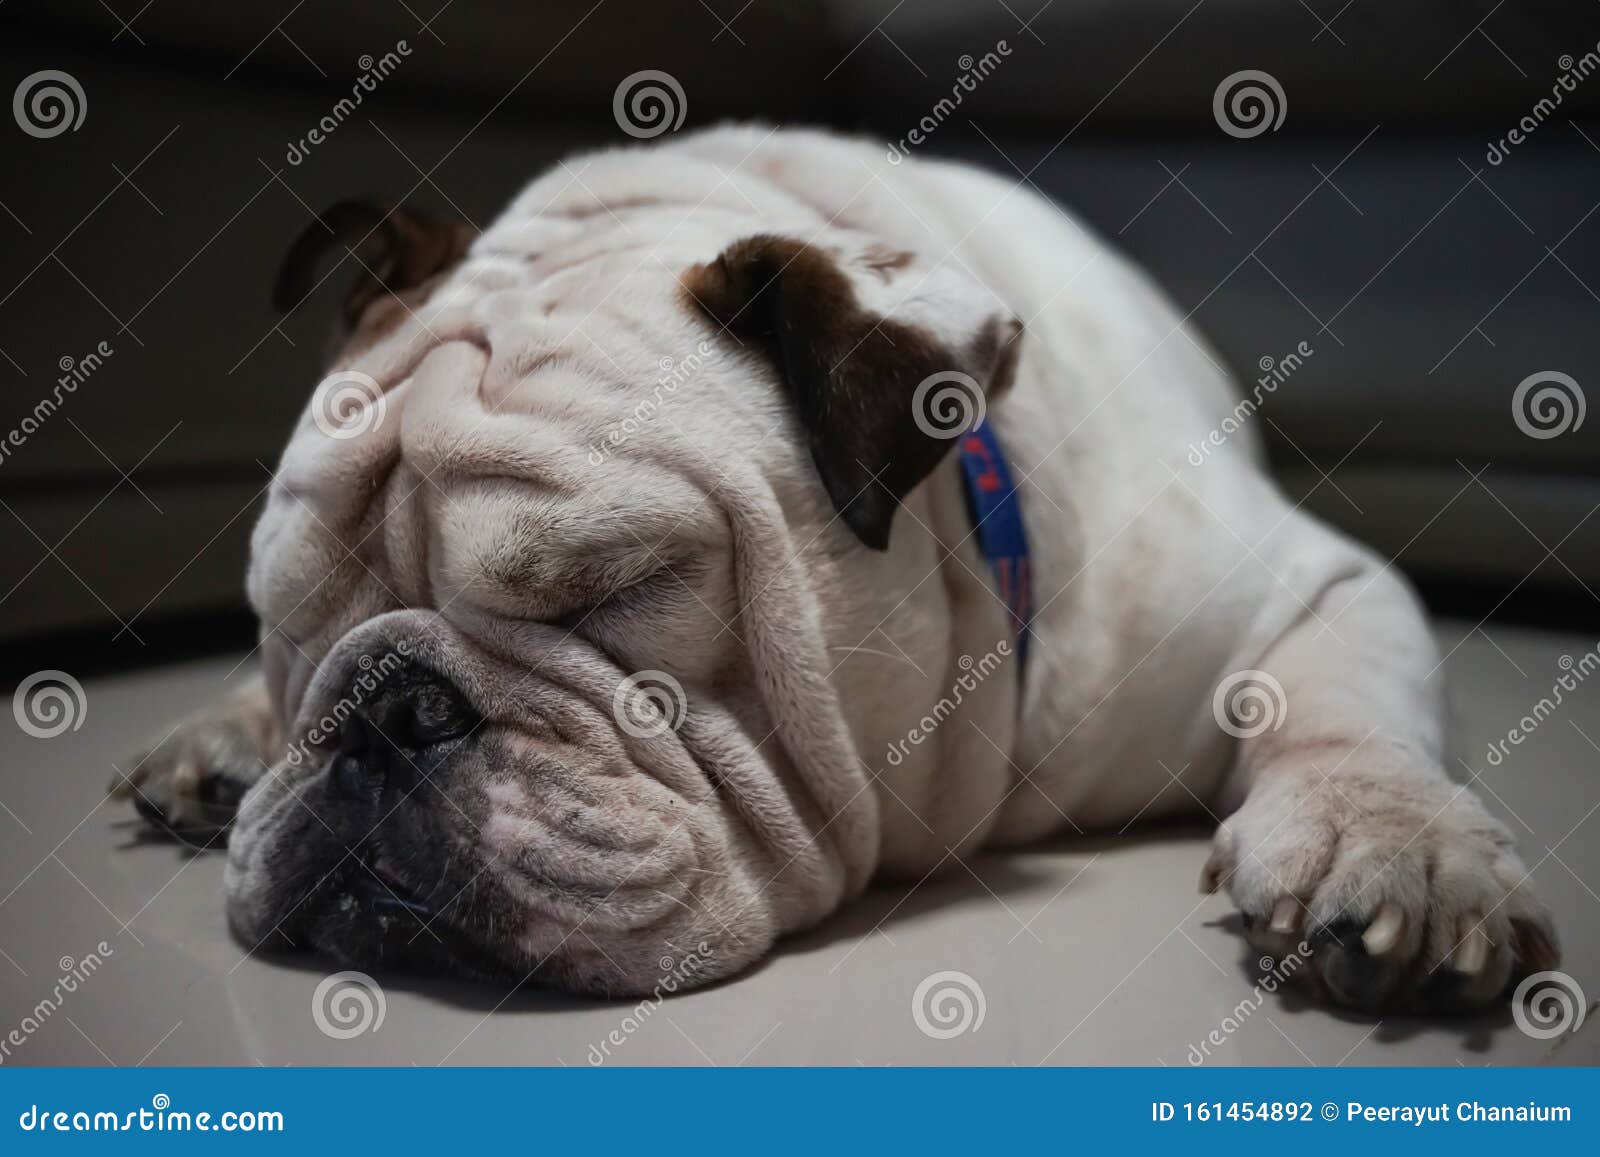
(1371, 227)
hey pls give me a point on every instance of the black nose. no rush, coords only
(394, 731)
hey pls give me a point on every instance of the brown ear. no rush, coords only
(397, 248)
(882, 393)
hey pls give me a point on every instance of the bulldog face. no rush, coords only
(545, 579)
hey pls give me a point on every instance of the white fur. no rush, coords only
(1155, 579)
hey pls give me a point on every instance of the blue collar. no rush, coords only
(997, 521)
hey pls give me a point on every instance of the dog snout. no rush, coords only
(391, 734)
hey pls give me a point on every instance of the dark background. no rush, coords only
(1370, 225)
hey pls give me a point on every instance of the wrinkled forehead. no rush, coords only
(569, 308)
(590, 342)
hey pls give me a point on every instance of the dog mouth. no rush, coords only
(400, 901)
(381, 891)
(371, 917)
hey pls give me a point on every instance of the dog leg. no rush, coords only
(190, 783)
(1349, 836)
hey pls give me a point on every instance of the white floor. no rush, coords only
(1095, 951)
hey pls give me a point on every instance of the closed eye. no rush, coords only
(654, 593)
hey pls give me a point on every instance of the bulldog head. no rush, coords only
(551, 578)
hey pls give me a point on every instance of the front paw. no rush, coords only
(1407, 895)
(190, 783)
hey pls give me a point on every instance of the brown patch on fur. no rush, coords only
(852, 374)
(398, 250)
(749, 275)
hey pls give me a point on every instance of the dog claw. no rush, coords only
(1286, 916)
(1384, 931)
(1472, 953)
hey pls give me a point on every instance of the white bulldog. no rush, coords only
(636, 609)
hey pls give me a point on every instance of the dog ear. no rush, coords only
(398, 249)
(883, 382)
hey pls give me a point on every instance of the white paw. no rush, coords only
(190, 783)
(1408, 895)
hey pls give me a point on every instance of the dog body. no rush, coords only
(638, 432)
